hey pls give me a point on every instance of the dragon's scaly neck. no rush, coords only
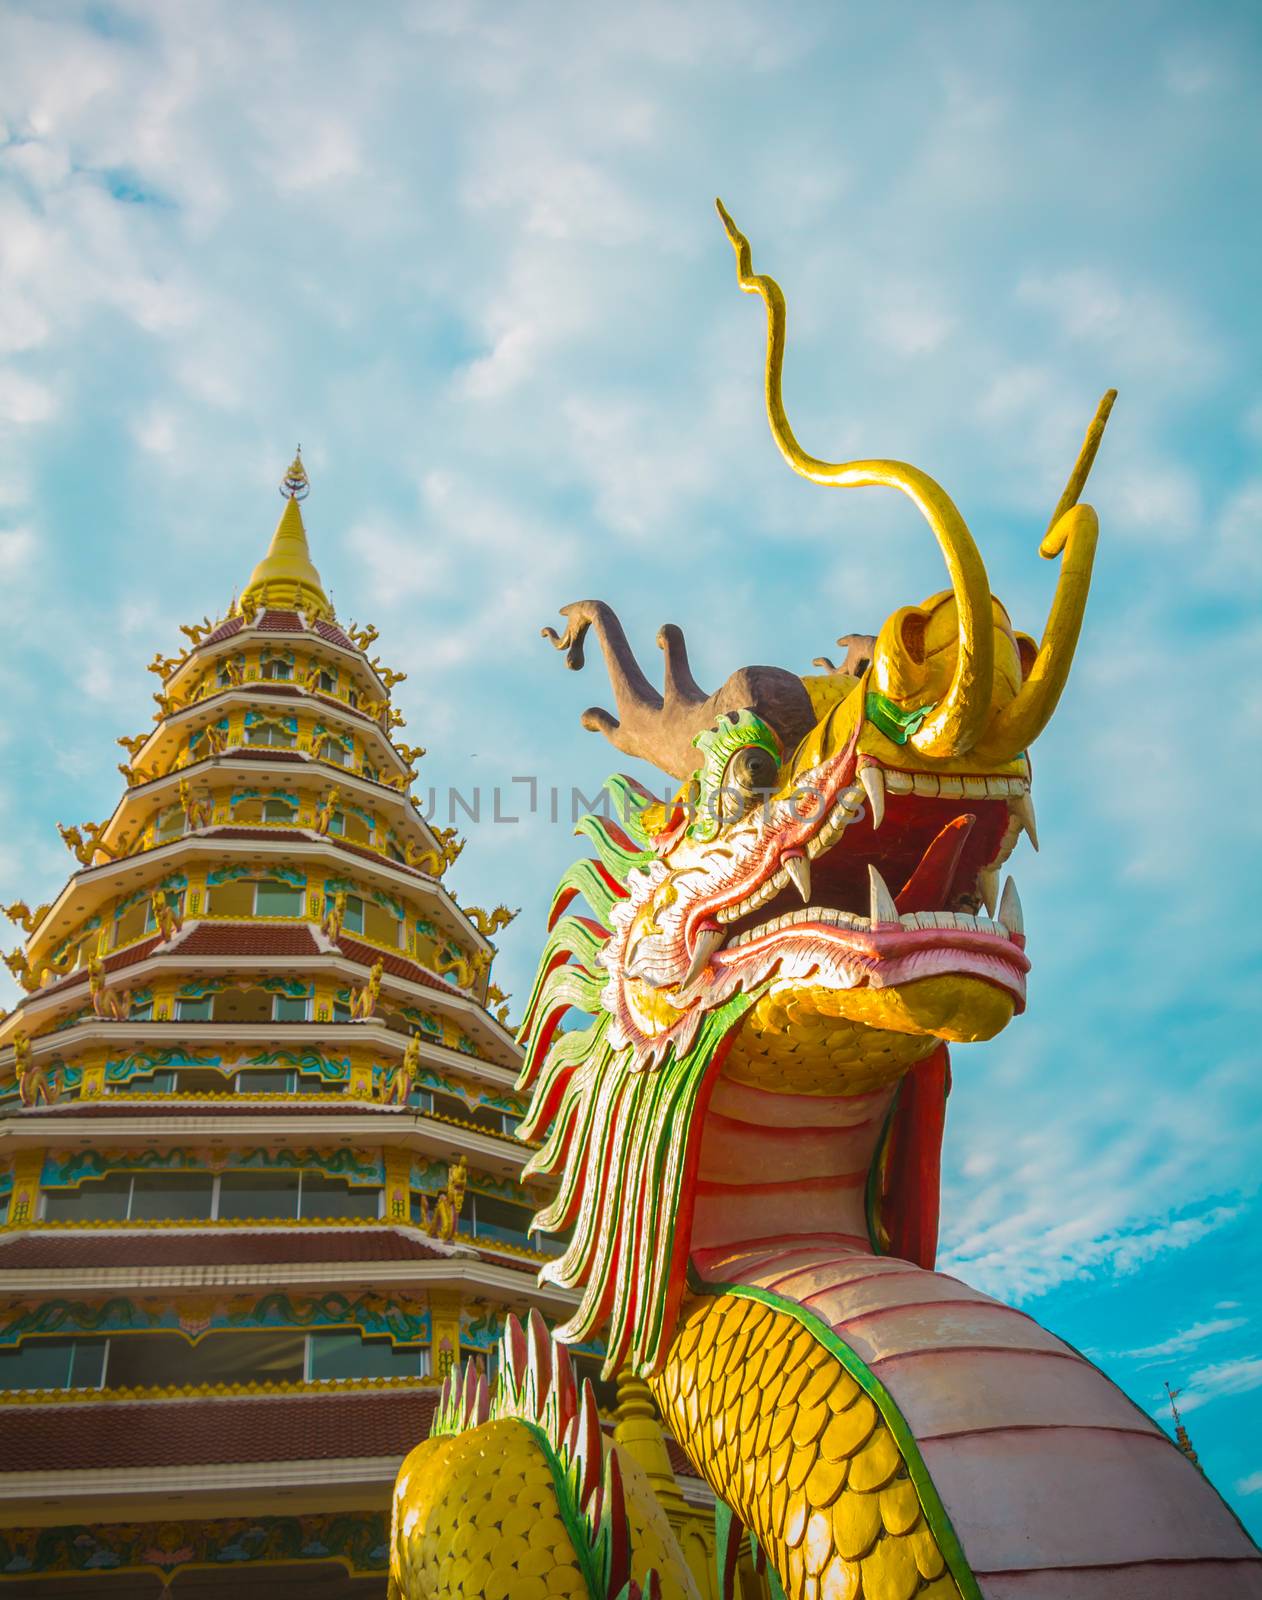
(777, 1170)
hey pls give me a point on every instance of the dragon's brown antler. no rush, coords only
(660, 728)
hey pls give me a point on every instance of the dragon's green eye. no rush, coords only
(740, 765)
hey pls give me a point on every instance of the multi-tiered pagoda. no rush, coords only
(256, 1138)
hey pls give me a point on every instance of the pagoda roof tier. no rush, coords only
(69, 1043)
(119, 1451)
(223, 947)
(378, 1423)
(234, 633)
(170, 737)
(108, 1259)
(222, 1120)
(92, 887)
(295, 769)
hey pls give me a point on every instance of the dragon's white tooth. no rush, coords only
(1010, 909)
(926, 783)
(852, 798)
(873, 781)
(799, 871)
(988, 887)
(949, 784)
(1023, 809)
(883, 909)
(974, 788)
(708, 941)
(899, 782)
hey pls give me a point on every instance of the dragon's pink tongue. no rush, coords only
(929, 887)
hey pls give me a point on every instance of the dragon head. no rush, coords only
(816, 908)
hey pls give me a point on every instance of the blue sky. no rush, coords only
(466, 253)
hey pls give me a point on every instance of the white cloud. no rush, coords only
(1187, 1339)
(24, 399)
(1251, 1484)
(1223, 1379)
(17, 550)
(1145, 333)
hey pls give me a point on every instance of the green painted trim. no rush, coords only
(940, 1524)
(896, 724)
(575, 1523)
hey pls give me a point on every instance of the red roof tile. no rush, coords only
(396, 966)
(258, 833)
(268, 686)
(166, 1433)
(227, 1247)
(333, 634)
(113, 963)
(248, 939)
(679, 1462)
(280, 622)
(225, 630)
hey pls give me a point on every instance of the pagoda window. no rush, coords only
(341, 1011)
(159, 1360)
(492, 1120)
(421, 1100)
(194, 1008)
(170, 825)
(446, 1105)
(130, 924)
(382, 926)
(140, 1011)
(500, 1219)
(273, 898)
(175, 899)
(270, 733)
(232, 898)
(339, 1357)
(327, 681)
(370, 772)
(259, 1195)
(278, 811)
(352, 698)
(95, 1200)
(322, 1197)
(276, 670)
(171, 1195)
(267, 1082)
(357, 830)
(54, 1364)
(353, 916)
(337, 823)
(289, 1008)
(333, 750)
(242, 1005)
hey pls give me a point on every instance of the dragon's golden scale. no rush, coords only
(457, 1534)
(804, 1457)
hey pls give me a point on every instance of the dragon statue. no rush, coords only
(746, 1130)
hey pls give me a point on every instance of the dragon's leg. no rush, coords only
(522, 1497)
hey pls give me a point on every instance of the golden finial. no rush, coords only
(1180, 1432)
(296, 485)
(286, 578)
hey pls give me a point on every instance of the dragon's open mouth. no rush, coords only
(913, 895)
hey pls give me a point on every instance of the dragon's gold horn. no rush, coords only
(1071, 535)
(956, 723)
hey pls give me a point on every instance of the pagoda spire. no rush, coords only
(286, 578)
